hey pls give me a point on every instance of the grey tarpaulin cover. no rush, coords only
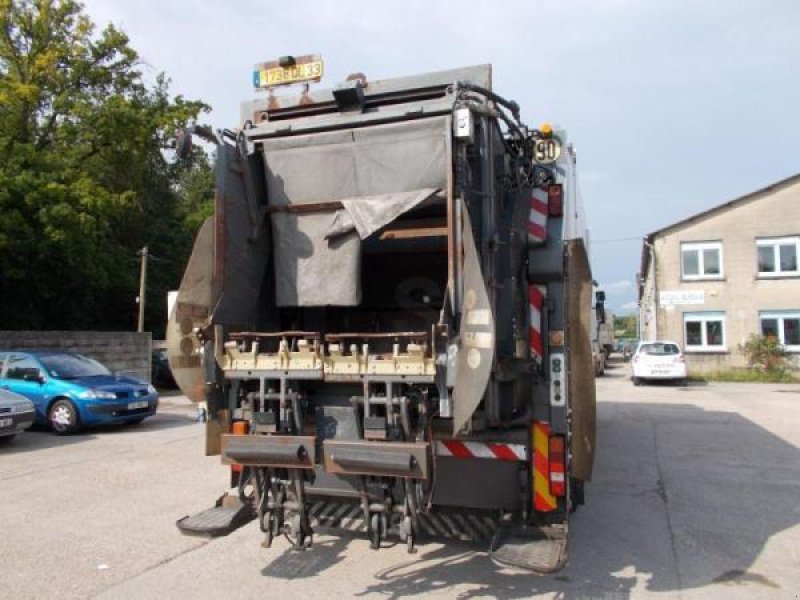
(367, 214)
(372, 162)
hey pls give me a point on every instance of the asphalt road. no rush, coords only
(696, 494)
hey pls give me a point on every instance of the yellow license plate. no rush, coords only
(310, 71)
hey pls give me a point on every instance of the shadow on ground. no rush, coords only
(40, 437)
(682, 498)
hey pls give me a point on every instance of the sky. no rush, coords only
(673, 106)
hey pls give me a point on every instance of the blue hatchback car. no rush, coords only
(71, 391)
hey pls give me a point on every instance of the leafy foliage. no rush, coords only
(625, 326)
(84, 182)
(765, 354)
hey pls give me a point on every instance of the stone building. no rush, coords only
(713, 279)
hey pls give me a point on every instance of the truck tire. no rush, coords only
(637, 381)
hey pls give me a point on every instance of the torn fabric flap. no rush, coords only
(368, 214)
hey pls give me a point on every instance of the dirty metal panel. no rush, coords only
(476, 348)
(191, 310)
(289, 451)
(242, 243)
(217, 424)
(374, 91)
(579, 363)
(398, 459)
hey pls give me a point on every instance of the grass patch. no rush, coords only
(747, 375)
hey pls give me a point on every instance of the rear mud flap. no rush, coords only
(538, 549)
(229, 514)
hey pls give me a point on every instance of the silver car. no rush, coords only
(16, 414)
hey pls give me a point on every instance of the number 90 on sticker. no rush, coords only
(546, 150)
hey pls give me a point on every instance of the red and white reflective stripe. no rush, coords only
(459, 449)
(536, 296)
(537, 218)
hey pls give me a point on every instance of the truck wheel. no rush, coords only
(637, 381)
(375, 531)
(63, 417)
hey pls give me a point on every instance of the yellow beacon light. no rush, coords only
(546, 129)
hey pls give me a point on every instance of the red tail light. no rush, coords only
(555, 200)
(558, 471)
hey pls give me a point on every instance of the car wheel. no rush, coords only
(63, 417)
(7, 438)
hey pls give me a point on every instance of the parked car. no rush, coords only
(661, 360)
(161, 372)
(70, 391)
(16, 414)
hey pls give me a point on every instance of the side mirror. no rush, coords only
(34, 375)
(600, 307)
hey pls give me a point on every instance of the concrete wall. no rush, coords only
(740, 294)
(123, 352)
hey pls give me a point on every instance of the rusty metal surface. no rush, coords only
(332, 337)
(580, 364)
(476, 344)
(244, 335)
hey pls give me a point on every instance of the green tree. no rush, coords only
(84, 182)
(625, 326)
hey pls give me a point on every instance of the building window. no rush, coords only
(783, 325)
(777, 256)
(704, 331)
(701, 260)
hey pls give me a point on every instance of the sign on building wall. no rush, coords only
(682, 297)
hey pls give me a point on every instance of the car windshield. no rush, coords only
(659, 349)
(72, 366)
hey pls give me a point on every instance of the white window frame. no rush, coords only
(779, 315)
(703, 318)
(775, 244)
(699, 247)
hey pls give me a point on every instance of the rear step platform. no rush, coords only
(540, 549)
(229, 514)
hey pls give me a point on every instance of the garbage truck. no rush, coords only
(388, 316)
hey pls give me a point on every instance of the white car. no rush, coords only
(660, 360)
(16, 414)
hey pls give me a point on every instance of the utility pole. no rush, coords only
(142, 286)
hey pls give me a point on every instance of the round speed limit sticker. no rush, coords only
(546, 150)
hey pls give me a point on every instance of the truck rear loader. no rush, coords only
(389, 317)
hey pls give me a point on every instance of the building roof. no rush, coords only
(755, 195)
